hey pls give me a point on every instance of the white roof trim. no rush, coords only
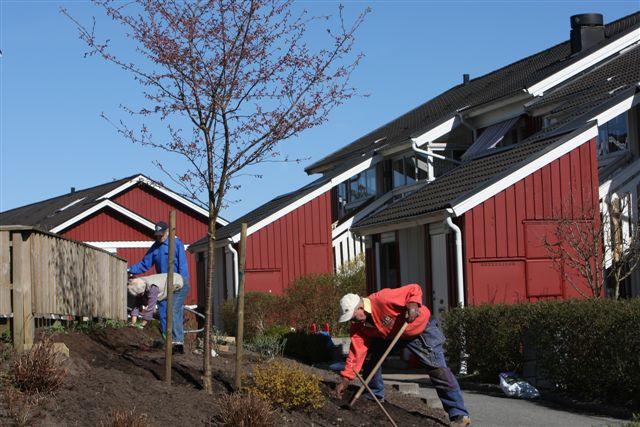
(315, 193)
(619, 108)
(437, 131)
(164, 190)
(428, 136)
(619, 179)
(105, 203)
(133, 244)
(538, 89)
(345, 226)
(525, 171)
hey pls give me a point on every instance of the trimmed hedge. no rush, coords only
(588, 348)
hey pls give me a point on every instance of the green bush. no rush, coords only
(309, 299)
(588, 348)
(261, 312)
(287, 385)
(316, 298)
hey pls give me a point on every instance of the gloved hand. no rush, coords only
(413, 311)
(341, 387)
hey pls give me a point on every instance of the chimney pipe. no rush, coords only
(73, 189)
(465, 79)
(587, 30)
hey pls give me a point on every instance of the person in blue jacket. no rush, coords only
(158, 256)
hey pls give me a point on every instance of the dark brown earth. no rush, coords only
(121, 369)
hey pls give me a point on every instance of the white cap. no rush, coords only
(348, 305)
(136, 286)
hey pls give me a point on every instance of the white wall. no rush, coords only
(412, 257)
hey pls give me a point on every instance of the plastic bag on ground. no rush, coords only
(514, 386)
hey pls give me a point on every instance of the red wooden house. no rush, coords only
(457, 193)
(117, 216)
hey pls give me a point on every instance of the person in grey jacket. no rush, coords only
(148, 291)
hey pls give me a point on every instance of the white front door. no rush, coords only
(439, 274)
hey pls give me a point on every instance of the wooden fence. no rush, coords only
(44, 275)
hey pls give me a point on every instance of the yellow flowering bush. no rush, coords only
(286, 385)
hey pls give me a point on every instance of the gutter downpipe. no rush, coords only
(459, 276)
(234, 253)
(464, 356)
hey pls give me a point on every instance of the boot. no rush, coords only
(461, 421)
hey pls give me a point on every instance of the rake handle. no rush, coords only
(377, 365)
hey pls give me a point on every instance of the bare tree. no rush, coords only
(590, 251)
(233, 79)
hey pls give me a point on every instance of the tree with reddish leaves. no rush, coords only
(232, 79)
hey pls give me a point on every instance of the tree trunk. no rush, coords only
(210, 283)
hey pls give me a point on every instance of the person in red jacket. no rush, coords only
(378, 318)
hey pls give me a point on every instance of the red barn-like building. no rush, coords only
(117, 216)
(459, 193)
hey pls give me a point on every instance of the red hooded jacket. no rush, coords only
(388, 308)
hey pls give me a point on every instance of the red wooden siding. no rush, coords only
(155, 206)
(152, 205)
(108, 225)
(506, 260)
(297, 244)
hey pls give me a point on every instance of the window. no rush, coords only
(356, 190)
(398, 173)
(612, 136)
(409, 169)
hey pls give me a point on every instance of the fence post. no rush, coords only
(240, 322)
(168, 344)
(23, 327)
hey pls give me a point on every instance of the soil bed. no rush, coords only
(122, 369)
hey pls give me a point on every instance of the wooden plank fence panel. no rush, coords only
(63, 277)
(5, 274)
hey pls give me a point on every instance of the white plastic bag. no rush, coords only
(513, 386)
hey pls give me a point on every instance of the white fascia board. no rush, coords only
(362, 166)
(617, 109)
(619, 179)
(105, 203)
(437, 131)
(434, 217)
(366, 211)
(538, 89)
(133, 244)
(525, 171)
(164, 190)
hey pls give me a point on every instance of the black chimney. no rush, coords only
(73, 189)
(587, 30)
(465, 79)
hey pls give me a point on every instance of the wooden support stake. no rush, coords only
(23, 326)
(168, 343)
(240, 320)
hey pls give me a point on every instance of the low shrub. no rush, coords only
(39, 370)
(316, 298)
(244, 410)
(122, 418)
(261, 311)
(267, 346)
(308, 300)
(286, 385)
(588, 348)
(18, 405)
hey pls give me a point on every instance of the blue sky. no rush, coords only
(52, 136)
